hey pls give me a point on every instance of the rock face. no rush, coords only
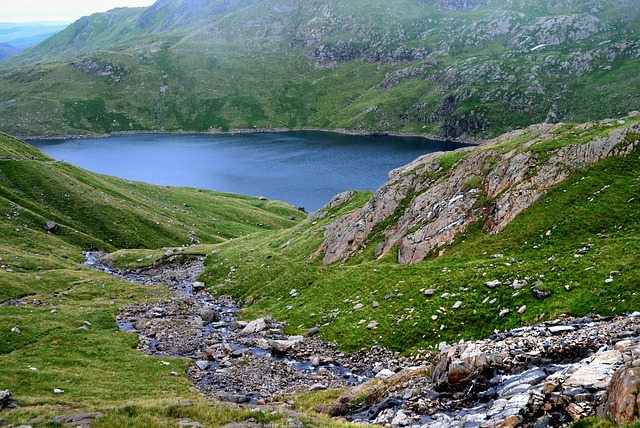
(427, 203)
(621, 405)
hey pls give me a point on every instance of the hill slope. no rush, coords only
(569, 247)
(455, 69)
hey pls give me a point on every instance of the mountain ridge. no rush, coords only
(453, 69)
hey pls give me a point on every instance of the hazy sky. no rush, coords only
(59, 10)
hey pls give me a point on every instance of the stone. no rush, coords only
(384, 374)
(6, 399)
(209, 315)
(202, 365)
(198, 286)
(358, 307)
(400, 419)
(559, 329)
(522, 309)
(493, 284)
(317, 387)
(16, 330)
(189, 423)
(58, 391)
(621, 400)
(372, 325)
(50, 227)
(457, 305)
(84, 420)
(312, 332)
(255, 326)
(235, 398)
(375, 304)
(293, 293)
(540, 294)
(430, 292)
(503, 312)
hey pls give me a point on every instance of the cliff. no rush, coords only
(424, 205)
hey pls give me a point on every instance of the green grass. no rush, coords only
(100, 368)
(597, 207)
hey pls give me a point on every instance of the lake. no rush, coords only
(302, 168)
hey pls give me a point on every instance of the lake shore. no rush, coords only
(466, 141)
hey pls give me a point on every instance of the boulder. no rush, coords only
(622, 397)
(209, 315)
(50, 227)
(6, 399)
(255, 326)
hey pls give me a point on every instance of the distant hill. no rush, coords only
(7, 50)
(25, 35)
(456, 69)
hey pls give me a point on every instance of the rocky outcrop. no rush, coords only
(621, 405)
(424, 205)
(549, 374)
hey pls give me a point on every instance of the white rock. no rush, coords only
(457, 305)
(384, 374)
(255, 326)
(58, 391)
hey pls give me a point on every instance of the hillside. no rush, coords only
(569, 247)
(57, 316)
(470, 70)
(425, 260)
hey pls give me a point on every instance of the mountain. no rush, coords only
(7, 50)
(455, 69)
(25, 35)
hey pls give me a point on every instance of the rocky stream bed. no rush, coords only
(549, 374)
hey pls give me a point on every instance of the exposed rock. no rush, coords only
(50, 227)
(621, 405)
(493, 284)
(209, 315)
(84, 420)
(255, 326)
(440, 207)
(6, 399)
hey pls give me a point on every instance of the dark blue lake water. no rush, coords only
(303, 168)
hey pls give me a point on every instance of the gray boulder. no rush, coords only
(6, 399)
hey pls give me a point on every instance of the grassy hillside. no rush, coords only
(98, 368)
(455, 69)
(580, 241)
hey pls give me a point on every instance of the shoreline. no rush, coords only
(466, 141)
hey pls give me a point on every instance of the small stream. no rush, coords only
(235, 366)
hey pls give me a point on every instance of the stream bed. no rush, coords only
(235, 361)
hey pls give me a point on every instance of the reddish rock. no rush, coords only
(620, 405)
